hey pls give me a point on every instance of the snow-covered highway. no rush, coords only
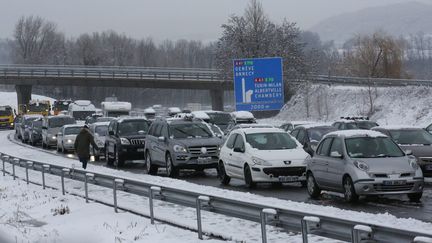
(395, 205)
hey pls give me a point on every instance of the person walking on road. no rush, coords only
(82, 145)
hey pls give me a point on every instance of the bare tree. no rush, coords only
(37, 41)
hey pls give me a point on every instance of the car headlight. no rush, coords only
(179, 149)
(69, 141)
(54, 137)
(361, 165)
(413, 163)
(124, 141)
(258, 161)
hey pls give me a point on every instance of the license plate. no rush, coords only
(288, 178)
(140, 150)
(392, 183)
(204, 160)
(428, 167)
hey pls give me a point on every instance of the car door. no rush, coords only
(110, 141)
(226, 155)
(159, 146)
(238, 157)
(336, 165)
(319, 162)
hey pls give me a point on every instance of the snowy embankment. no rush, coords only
(30, 214)
(393, 105)
(10, 98)
(227, 227)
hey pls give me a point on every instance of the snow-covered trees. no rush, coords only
(254, 35)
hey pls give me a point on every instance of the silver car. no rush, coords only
(66, 137)
(362, 162)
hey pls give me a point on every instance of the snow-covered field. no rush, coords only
(30, 214)
(396, 105)
(10, 98)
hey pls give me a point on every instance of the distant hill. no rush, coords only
(397, 19)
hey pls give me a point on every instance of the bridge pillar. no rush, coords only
(217, 96)
(23, 93)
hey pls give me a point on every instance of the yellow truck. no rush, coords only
(6, 117)
(35, 107)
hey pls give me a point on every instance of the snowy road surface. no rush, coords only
(396, 205)
(229, 226)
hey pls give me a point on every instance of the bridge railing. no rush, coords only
(168, 73)
(264, 214)
(108, 72)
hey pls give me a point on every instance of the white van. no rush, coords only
(80, 109)
(115, 108)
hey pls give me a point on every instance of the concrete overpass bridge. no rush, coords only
(23, 77)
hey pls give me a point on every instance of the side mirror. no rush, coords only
(161, 139)
(335, 154)
(111, 133)
(408, 152)
(238, 150)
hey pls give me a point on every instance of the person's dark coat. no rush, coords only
(82, 143)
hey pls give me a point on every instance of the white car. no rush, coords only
(99, 131)
(66, 137)
(262, 155)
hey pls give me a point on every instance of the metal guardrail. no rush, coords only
(290, 220)
(199, 74)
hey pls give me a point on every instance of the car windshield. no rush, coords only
(5, 111)
(61, 105)
(104, 119)
(133, 127)
(316, 133)
(351, 125)
(220, 118)
(81, 115)
(366, 124)
(271, 141)
(72, 130)
(216, 130)
(29, 120)
(118, 113)
(412, 136)
(37, 124)
(60, 121)
(190, 130)
(101, 130)
(372, 147)
(37, 107)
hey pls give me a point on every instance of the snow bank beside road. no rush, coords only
(393, 105)
(30, 214)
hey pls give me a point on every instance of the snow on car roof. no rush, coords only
(126, 118)
(398, 127)
(260, 130)
(101, 123)
(356, 133)
(73, 125)
(32, 116)
(312, 125)
(149, 110)
(174, 109)
(201, 115)
(243, 115)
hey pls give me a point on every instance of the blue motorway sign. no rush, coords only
(258, 84)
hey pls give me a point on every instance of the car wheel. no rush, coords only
(248, 177)
(223, 177)
(150, 167)
(349, 190)
(118, 160)
(171, 170)
(107, 157)
(415, 197)
(312, 187)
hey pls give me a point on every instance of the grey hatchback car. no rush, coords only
(184, 143)
(362, 162)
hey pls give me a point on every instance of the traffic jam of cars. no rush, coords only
(353, 156)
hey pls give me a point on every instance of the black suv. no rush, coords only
(125, 140)
(181, 143)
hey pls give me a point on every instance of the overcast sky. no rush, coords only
(168, 19)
